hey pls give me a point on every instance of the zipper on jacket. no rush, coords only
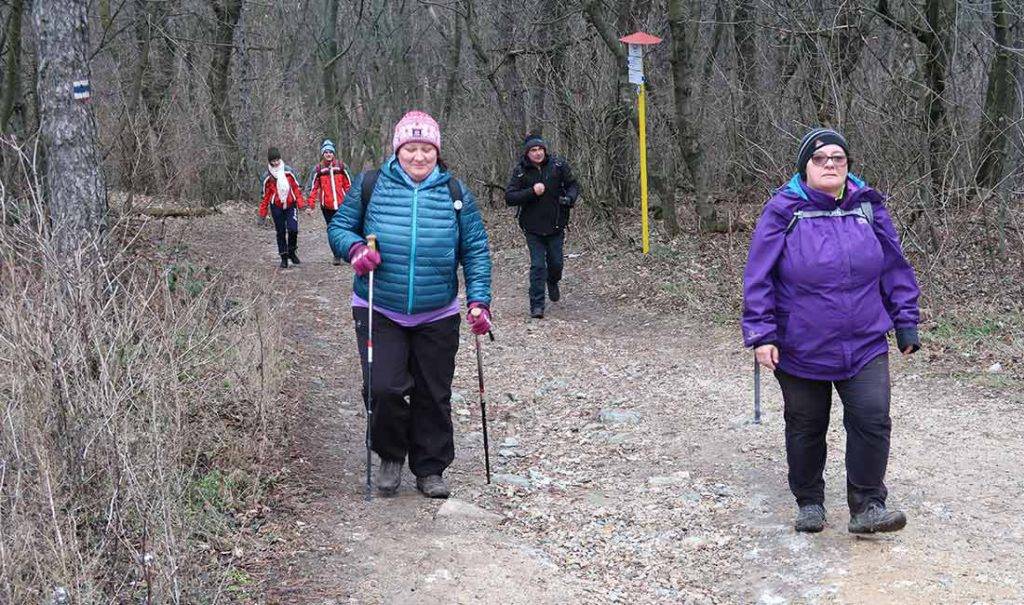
(847, 288)
(412, 252)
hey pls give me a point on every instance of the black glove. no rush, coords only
(907, 337)
(565, 201)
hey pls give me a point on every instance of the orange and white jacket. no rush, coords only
(293, 199)
(321, 190)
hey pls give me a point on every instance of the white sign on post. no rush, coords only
(636, 64)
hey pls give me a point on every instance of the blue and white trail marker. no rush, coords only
(80, 90)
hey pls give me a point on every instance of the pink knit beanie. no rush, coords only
(416, 127)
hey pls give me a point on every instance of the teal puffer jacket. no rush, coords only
(420, 244)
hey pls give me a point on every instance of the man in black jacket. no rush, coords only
(543, 190)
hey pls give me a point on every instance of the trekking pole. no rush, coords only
(483, 404)
(757, 391)
(371, 241)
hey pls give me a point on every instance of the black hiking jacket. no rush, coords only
(542, 215)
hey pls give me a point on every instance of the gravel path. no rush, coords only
(626, 468)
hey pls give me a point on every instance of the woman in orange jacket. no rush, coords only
(329, 181)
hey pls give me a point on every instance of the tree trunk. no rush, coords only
(937, 38)
(618, 152)
(75, 191)
(227, 13)
(483, 62)
(454, 58)
(681, 58)
(562, 92)
(745, 41)
(512, 82)
(1000, 101)
(328, 68)
(246, 78)
(538, 116)
(12, 68)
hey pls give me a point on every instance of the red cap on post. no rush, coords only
(642, 38)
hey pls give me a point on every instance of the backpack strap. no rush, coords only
(455, 192)
(865, 211)
(366, 192)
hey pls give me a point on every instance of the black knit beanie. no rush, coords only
(273, 154)
(813, 141)
(534, 140)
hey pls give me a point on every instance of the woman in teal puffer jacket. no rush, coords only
(426, 224)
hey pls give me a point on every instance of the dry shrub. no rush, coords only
(136, 403)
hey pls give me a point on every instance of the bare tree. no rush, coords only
(683, 18)
(226, 14)
(936, 34)
(12, 67)
(617, 117)
(1000, 102)
(75, 189)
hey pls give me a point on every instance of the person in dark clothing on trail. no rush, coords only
(543, 190)
(825, 281)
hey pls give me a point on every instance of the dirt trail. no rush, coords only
(627, 468)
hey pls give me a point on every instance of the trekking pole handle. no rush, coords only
(371, 241)
(475, 312)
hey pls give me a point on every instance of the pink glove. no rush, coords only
(363, 258)
(479, 318)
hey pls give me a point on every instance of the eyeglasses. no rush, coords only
(820, 160)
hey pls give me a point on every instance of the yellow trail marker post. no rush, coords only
(636, 43)
(642, 111)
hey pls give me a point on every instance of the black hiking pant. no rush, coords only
(546, 262)
(413, 370)
(865, 400)
(328, 216)
(286, 222)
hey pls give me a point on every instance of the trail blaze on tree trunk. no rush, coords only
(75, 191)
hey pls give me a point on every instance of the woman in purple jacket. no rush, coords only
(825, 281)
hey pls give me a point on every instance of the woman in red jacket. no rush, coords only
(329, 181)
(282, 196)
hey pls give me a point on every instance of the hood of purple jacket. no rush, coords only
(827, 291)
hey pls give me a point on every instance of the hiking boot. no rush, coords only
(876, 519)
(337, 260)
(389, 477)
(537, 312)
(284, 261)
(811, 518)
(433, 486)
(553, 293)
(295, 258)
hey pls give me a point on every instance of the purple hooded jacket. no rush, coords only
(827, 292)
